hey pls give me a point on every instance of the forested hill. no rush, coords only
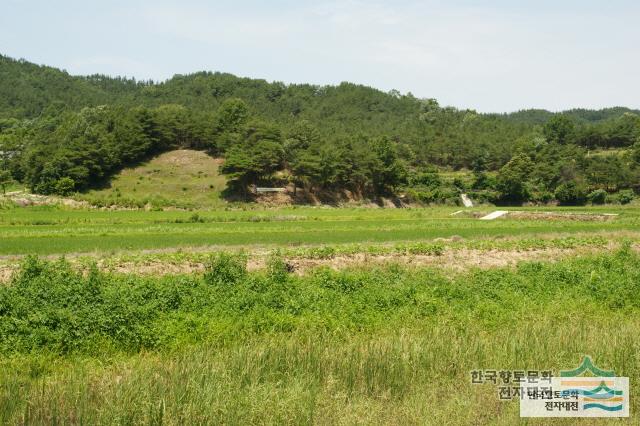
(541, 116)
(61, 133)
(27, 90)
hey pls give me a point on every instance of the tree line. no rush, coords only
(61, 133)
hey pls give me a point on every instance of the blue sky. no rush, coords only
(492, 56)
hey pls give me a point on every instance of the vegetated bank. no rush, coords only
(355, 346)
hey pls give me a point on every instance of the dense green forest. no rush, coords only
(61, 133)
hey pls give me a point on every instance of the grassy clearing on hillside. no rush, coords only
(387, 345)
(180, 178)
(608, 152)
(465, 176)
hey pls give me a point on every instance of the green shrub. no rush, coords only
(225, 268)
(196, 218)
(626, 196)
(571, 194)
(278, 270)
(599, 196)
(433, 249)
(512, 179)
(441, 195)
(542, 197)
(65, 186)
(459, 184)
(51, 307)
(483, 181)
(321, 252)
(429, 180)
(485, 196)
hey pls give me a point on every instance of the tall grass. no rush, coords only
(417, 375)
(385, 346)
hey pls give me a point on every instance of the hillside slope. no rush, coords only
(180, 178)
(28, 90)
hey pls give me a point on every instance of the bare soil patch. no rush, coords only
(24, 199)
(562, 216)
(531, 215)
(452, 259)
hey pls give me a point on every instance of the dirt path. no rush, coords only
(453, 259)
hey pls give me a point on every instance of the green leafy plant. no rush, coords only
(226, 268)
(599, 196)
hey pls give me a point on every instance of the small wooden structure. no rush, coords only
(260, 190)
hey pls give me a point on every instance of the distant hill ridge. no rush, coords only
(28, 90)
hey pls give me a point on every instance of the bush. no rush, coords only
(196, 218)
(626, 196)
(512, 180)
(483, 181)
(635, 153)
(599, 196)
(433, 196)
(571, 194)
(226, 268)
(429, 180)
(484, 196)
(542, 197)
(50, 305)
(53, 307)
(277, 268)
(459, 184)
(432, 249)
(65, 186)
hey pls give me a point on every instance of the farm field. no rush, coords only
(47, 230)
(306, 315)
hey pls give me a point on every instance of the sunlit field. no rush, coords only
(47, 230)
(319, 213)
(305, 315)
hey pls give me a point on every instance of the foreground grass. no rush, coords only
(417, 375)
(383, 346)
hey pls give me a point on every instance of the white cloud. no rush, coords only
(356, 14)
(217, 26)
